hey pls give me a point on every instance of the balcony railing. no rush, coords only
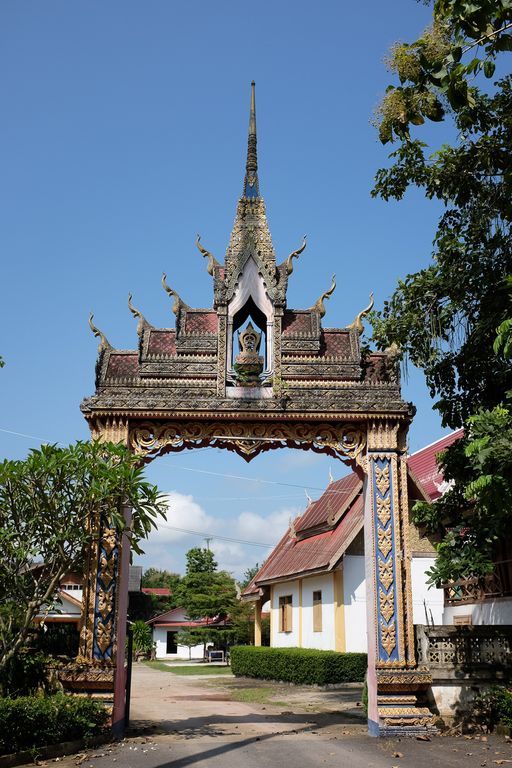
(496, 584)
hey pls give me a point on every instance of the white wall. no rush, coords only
(354, 599)
(324, 640)
(160, 638)
(493, 612)
(285, 639)
(434, 598)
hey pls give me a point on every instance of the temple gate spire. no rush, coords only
(251, 184)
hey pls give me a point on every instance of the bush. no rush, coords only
(25, 674)
(299, 665)
(36, 721)
(494, 707)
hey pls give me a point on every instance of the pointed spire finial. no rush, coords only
(251, 185)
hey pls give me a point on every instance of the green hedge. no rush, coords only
(298, 665)
(37, 721)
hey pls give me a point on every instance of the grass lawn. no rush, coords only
(199, 669)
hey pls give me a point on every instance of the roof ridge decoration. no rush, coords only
(319, 306)
(143, 323)
(357, 324)
(178, 301)
(104, 342)
(288, 264)
(212, 261)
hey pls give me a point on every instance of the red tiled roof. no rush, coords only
(201, 322)
(162, 591)
(122, 364)
(296, 322)
(423, 464)
(162, 342)
(335, 343)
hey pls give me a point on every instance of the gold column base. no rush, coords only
(400, 694)
(78, 676)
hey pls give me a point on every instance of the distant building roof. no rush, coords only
(423, 464)
(177, 618)
(160, 591)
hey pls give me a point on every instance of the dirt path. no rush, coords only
(194, 722)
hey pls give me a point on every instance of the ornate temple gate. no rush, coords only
(291, 384)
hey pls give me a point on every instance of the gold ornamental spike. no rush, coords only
(212, 261)
(293, 255)
(319, 305)
(178, 303)
(104, 342)
(357, 324)
(135, 312)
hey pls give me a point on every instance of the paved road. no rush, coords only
(184, 722)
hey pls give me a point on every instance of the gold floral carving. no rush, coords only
(385, 541)
(382, 479)
(386, 573)
(104, 635)
(387, 603)
(248, 439)
(384, 510)
(388, 637)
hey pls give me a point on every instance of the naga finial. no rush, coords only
(136, 313)
(212, 261)
(104, 342)
(357, 324)
(319, 304)
(170, 292)
(293, 255)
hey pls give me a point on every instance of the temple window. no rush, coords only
(317, 610)
(285, 613)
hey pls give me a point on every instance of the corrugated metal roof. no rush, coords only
(424, 467)
(335, 498)
(319, 552)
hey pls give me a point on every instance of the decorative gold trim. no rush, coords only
(248, 439)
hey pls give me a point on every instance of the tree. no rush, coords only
(444, 317)
(205, 592)
(157, 577)
(142, 638)
(46, 504)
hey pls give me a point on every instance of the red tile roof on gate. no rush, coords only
(424, 466)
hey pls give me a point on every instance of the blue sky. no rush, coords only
(123, 134)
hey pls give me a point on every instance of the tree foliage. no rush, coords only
(205, 592)
(46, 504)
(445, 317)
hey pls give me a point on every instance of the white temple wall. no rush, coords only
(324, 639)
(354, 599)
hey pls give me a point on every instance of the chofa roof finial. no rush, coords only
(293, 255)
(212, 261)
(357, 324)
(251, 183)
(319, 304)
(104, 342)
(136, 313)
(178, 302)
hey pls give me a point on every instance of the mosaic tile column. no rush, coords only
(394, 681)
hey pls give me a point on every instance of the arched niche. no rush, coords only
(250, 302)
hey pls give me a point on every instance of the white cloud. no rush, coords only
(166, 547)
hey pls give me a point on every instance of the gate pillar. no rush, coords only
(395, 683)
(100, 664)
